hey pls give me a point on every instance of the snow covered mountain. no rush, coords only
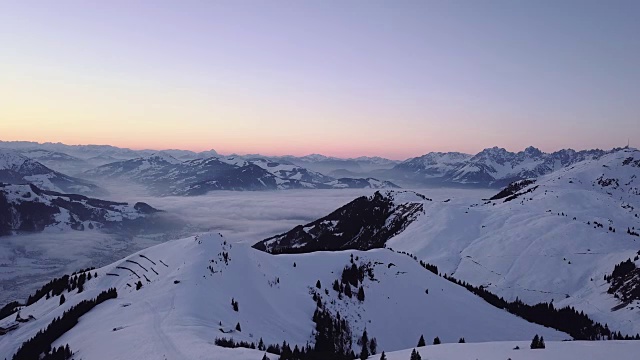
(174, 299)
(165, 175)
(553, 239)
(16, 168)
(26, 208)
(493, 167)
(365, 223)
(58, 161)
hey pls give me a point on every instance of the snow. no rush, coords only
(180, 320)
(566, 350)
(11, 160)
(525, 248)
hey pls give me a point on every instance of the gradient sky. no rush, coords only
(343, 78)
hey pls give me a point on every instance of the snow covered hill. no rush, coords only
(554, 239)
(165, 175)
(16, 168)
(174, 299)
(565, 350)
(492, 167)
(26, 208)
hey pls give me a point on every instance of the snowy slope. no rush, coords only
(544, 245)
(572, 350)
(16, 168)
(187, 287)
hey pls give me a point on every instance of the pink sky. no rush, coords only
(347, 79)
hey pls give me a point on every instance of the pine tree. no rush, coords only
(373, 346)
(541, 343)
(415, 355)
(383, 356)
(360, 294)
(421, 342)
(62, 299)
(238, 327)
(535, 342)
(138, 285)
(318, 285)
(436, 341)
(264, 357)
(461, 341)
(261, 345)
(336, 286)
(347, 290)
(364, 342)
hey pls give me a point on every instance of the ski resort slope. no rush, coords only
(186, 304)
(567, 350)
(545, 245)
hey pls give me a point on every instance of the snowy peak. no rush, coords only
(14, 161)
(161, 157)
(16, 168)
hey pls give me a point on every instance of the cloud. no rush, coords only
(249, 217)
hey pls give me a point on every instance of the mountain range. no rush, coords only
(492, 167)
(163, 174)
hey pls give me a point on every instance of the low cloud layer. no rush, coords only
(252, 216)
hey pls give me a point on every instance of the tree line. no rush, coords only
(40, 343)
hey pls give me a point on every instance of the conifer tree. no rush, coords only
(415, 355)
(360, 294)
(318, 285)
(347, 290)
(383, 356)
(62, 299)
(336, 286)
(535, 342)
(238, 327)
(421, 342)
(364, 342)
(436, 341)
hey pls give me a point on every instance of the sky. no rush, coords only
(341, 78)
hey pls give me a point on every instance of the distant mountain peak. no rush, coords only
(162, 156)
